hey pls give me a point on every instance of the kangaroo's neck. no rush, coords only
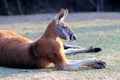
(49, 32)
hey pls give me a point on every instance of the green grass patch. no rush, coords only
(101, 33)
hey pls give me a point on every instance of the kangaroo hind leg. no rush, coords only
(76, 64)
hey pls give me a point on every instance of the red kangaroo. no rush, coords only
(20, 52)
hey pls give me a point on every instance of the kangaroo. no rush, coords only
(20, 52)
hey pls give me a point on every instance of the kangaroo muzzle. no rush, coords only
(73, 37)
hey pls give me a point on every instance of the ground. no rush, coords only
(92, 29)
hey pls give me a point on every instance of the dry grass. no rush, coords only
(102, 33)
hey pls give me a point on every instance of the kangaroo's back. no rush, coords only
(13, 49)
(8, 35)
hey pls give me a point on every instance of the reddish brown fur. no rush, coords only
(14, 50)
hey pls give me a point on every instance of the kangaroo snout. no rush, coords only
(73, 37)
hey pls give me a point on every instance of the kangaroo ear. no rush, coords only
(61, 15)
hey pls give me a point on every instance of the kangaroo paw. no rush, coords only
(99, 65)
(94, 49)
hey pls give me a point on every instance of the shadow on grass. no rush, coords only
(7, 72)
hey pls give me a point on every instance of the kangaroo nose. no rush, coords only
(72, 37)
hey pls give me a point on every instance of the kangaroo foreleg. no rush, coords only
(83, 50)
(66, 46)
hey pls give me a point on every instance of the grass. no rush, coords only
(101, 33)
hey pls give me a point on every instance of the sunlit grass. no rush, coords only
(101, 33)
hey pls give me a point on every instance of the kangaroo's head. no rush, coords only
(62, 29)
